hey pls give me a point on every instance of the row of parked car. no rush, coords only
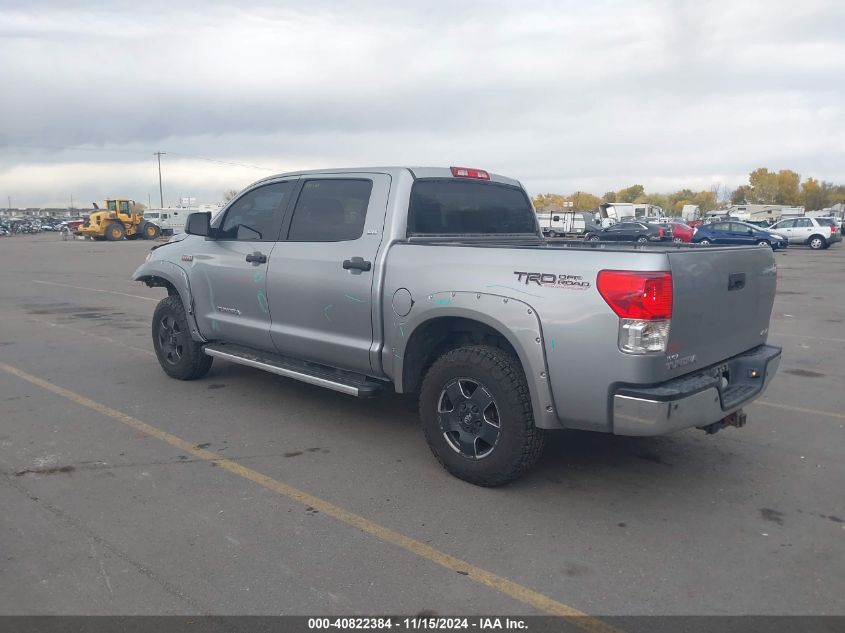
(817, 233)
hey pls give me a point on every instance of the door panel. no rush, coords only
(323, 312)
(230, 292)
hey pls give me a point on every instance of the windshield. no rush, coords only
(461, 207)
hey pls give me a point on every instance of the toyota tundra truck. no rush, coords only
(438, 282)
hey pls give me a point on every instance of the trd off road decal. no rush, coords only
(552, 280)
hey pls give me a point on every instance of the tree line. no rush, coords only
(764, 187)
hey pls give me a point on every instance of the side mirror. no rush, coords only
(556, 218)
(198, 224)
(751, 231)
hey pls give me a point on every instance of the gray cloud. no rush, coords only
(563, 95)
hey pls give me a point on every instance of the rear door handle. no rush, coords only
(256, 258)
(357, 263)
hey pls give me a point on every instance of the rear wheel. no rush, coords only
(593, 238)
(642, 239)
(817, 242)
(706, 242)
(179, 355)
(476, 414)
(677, 239)
(115, 231)
(552, 233)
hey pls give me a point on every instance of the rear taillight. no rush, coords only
(467, 172)
(643, 303)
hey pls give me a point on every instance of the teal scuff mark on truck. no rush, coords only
(355, 299)
(326, 312)
(262, 302)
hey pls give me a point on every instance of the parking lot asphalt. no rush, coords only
(126, 492)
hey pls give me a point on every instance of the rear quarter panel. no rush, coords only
(578, 332)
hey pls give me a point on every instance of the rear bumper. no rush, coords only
(696, 399)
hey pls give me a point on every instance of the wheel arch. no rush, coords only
(450, 320)
(174, 279)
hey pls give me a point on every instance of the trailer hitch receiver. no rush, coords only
(737, 418)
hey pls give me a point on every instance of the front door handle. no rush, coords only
(357, 263)
(256, 258)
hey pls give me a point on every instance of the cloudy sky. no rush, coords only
(563, 95)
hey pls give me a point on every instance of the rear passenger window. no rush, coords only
(331, 210)
(255, 215)
(460, 207)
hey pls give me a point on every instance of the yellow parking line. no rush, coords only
(110, 292)
(507, 587)
(777, 405)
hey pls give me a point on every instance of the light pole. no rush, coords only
(160, 190)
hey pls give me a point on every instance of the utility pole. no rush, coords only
(149, 201)
(160, 191)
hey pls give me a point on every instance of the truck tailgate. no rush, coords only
(723, 301)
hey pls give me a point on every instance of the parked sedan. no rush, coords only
(681, 231)
(817, 233)
(736, 234)
(639, 232)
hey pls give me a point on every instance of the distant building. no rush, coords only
(762, 211)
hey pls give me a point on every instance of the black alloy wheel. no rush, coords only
(469, 418)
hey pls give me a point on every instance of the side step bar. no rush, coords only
(346, 382)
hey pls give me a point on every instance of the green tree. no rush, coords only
(630, 193)
(742, 195)
(610, 196)
(583, 201)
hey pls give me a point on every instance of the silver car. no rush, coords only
(817, 233)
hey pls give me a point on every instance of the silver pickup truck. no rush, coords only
(437, 281)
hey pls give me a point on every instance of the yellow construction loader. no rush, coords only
(120, 218)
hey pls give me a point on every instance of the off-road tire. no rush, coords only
(190, 363)
(150, 231)
(519, 445)
(115, 231)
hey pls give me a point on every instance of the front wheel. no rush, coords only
(705, 242)
(179, 355)
(642, 239)
(477, 417)
(115, 231)
(593, 238)
(677, 240)
(764, 243)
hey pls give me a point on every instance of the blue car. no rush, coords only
(735, 233)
